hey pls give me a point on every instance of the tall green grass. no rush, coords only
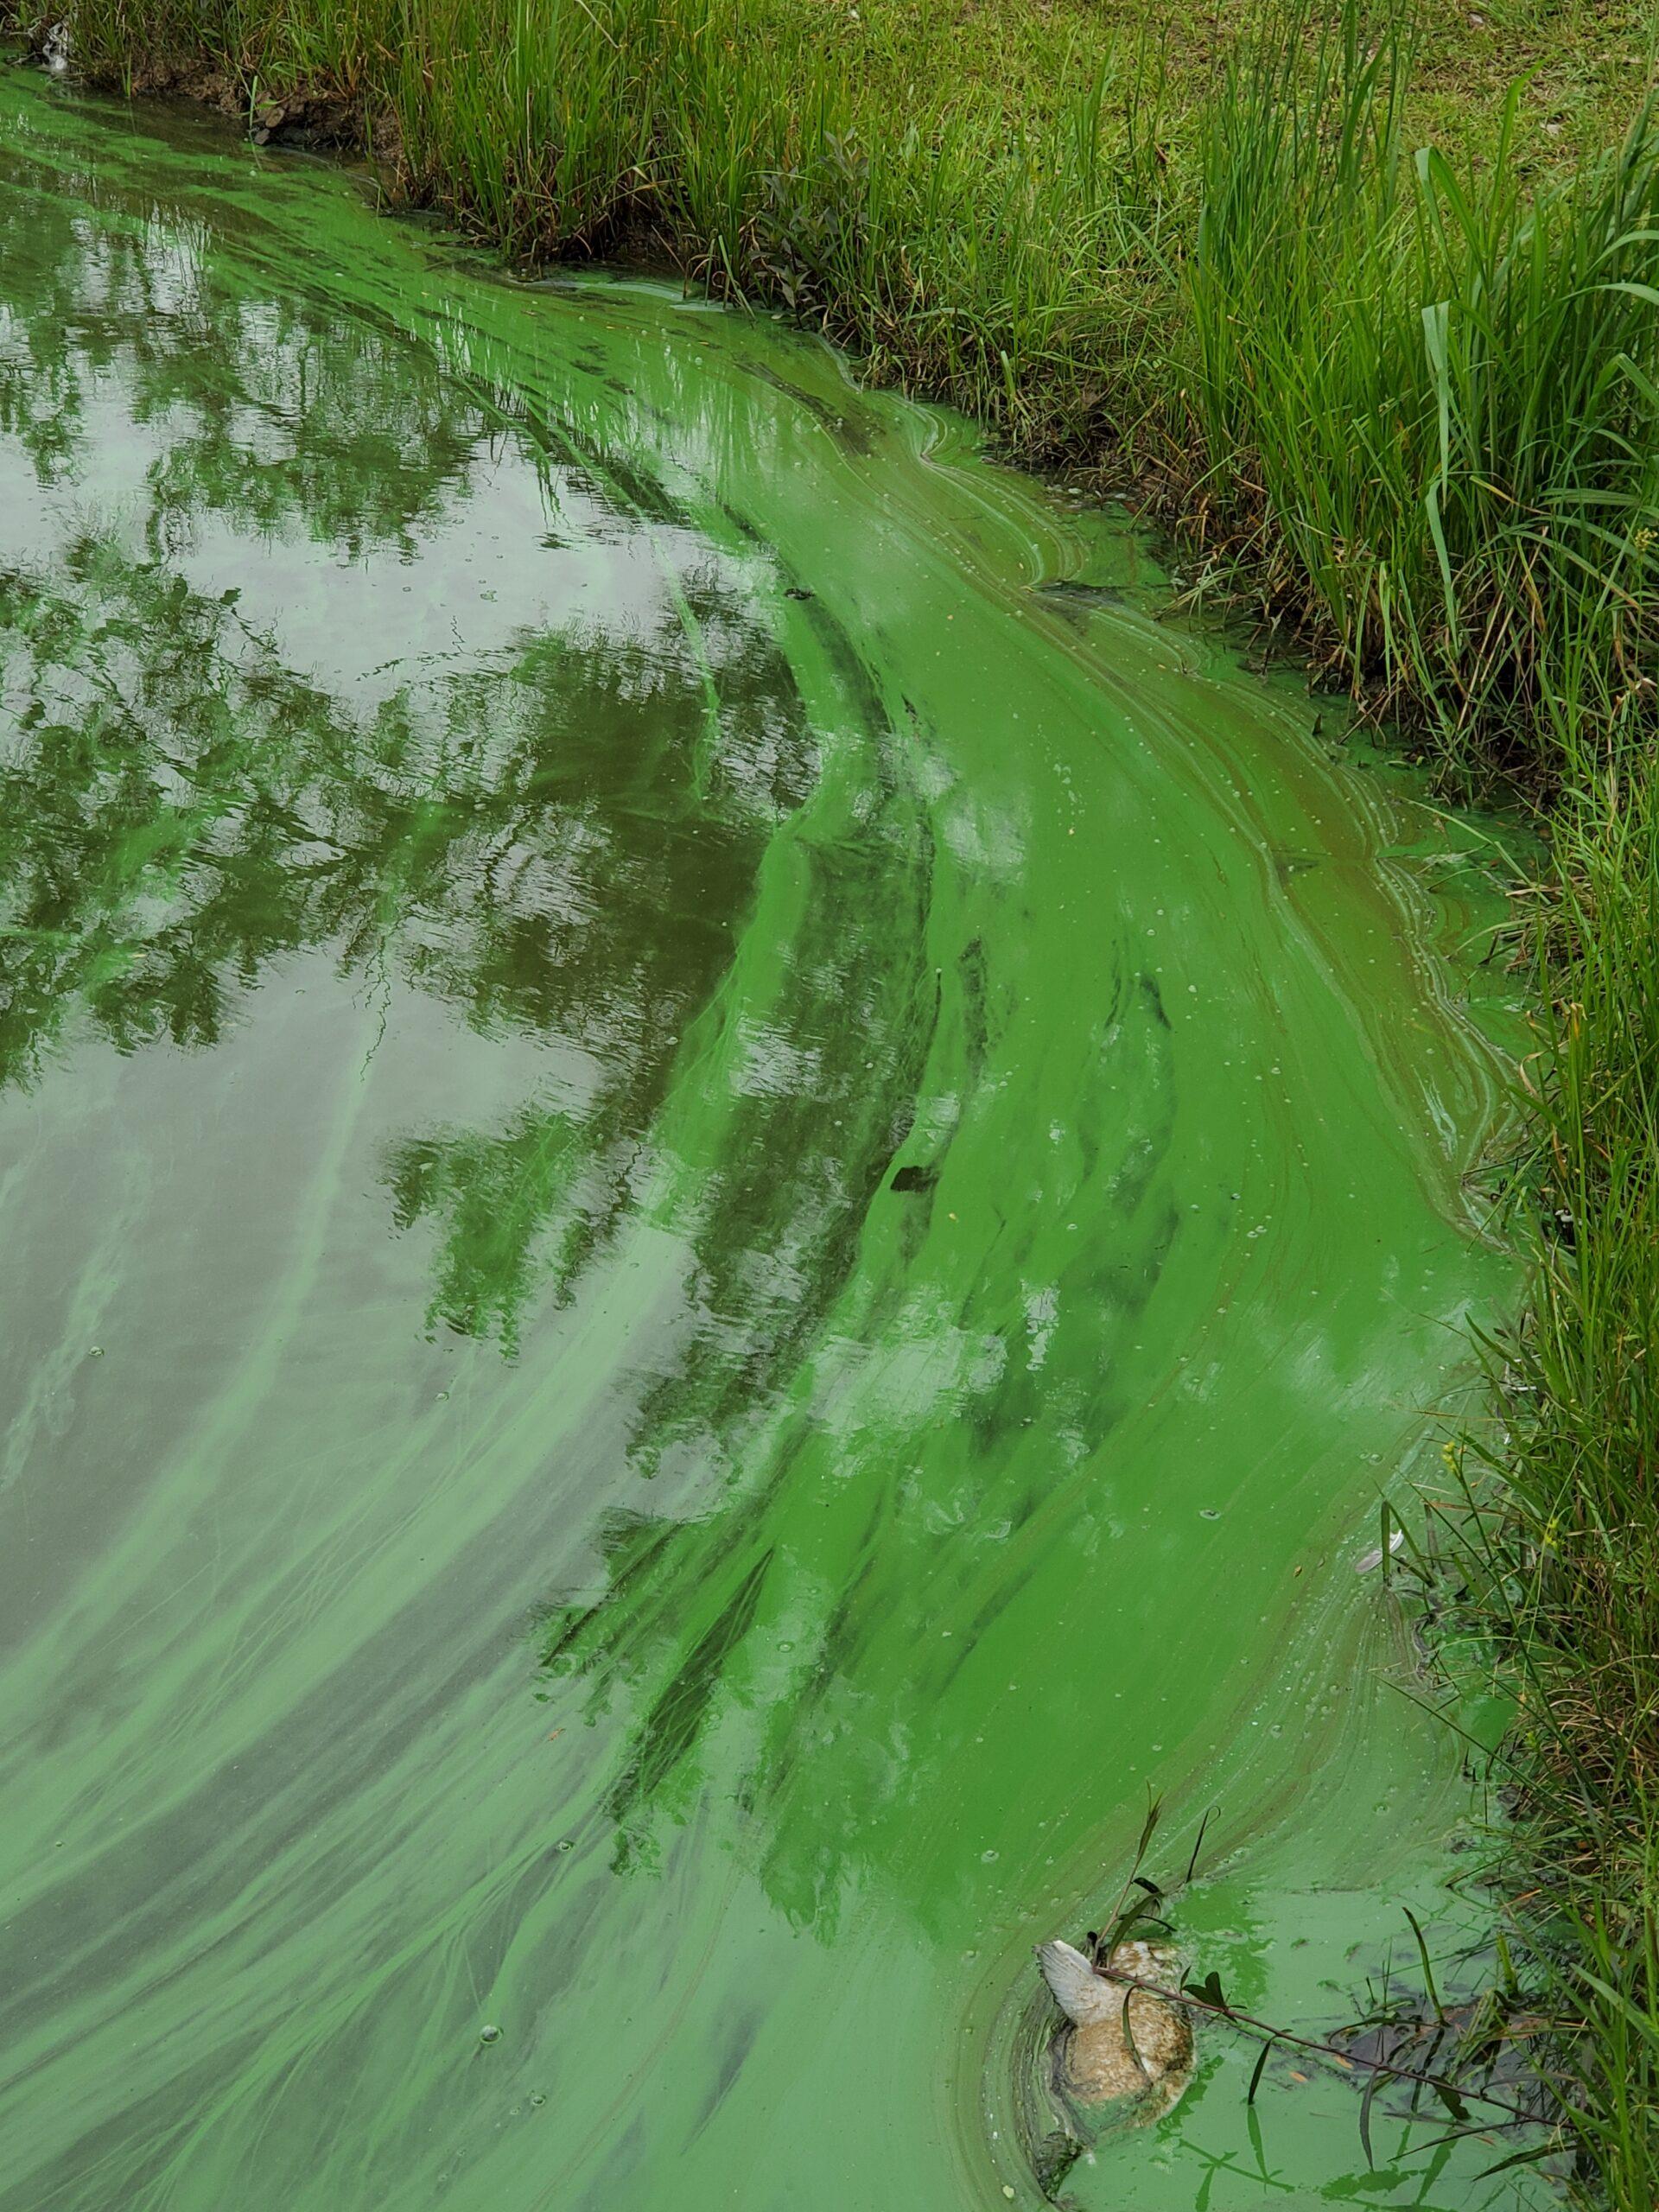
(1558, 1543)
(1429, 400)
(1409, 403)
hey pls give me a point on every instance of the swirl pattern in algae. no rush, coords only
(721, 1198)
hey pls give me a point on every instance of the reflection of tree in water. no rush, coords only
(557, 847)
(270, 411)
(560, 845)
(835, 1533)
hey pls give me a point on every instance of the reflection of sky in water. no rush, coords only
(495, 549)
(466, 711)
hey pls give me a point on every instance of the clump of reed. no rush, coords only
(1428, 400)
(1409, 403)
(1557, 1535)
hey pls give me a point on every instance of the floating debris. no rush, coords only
(1374, 1557)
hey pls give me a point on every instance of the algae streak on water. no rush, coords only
(717, 1219)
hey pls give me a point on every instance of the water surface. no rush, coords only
(720, 1200)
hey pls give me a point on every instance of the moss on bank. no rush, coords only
(1409, 401)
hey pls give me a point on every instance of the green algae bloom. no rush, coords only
(700, 1126)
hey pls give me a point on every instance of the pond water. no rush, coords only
(722, 1199)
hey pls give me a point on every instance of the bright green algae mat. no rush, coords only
(720, 1200)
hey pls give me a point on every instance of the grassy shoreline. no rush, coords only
(1406, 402)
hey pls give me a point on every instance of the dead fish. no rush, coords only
(1119, 2045)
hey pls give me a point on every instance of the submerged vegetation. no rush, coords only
(1406, 400)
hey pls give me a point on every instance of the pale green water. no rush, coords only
(624, 1036)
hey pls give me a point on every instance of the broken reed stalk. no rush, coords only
(1385, 2068)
